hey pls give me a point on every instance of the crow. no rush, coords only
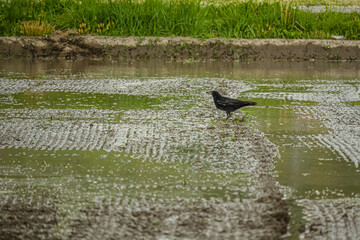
(228, 104)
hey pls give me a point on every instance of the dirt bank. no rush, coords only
(178, 48)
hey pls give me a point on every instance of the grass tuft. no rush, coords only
(35, 28)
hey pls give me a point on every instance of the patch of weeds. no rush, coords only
(184, 182)
(244, 118)
(35, 28)
(235, 122)
(83, 28)
(217, 123)
(238, 119)
(104, 29)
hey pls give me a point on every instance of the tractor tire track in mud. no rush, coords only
(334, 104)
(339, 219)
(182, 130)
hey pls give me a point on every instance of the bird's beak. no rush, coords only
(209, 92)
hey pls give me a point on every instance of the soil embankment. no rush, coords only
(178, 48)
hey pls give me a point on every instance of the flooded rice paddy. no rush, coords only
(139, 146)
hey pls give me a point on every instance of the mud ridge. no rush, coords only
(331, 219)
(178, 48)
(27, 219)
(184, 220)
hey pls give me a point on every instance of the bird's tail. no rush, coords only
(249, 103)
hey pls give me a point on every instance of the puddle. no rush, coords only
(75, 100)
(90, 130)
(100, 173)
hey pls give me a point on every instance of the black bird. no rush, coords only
(228, 104)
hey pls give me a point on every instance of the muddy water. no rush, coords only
(309, 110)
(89, 130)
(314, 121)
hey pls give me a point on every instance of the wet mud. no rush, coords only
(178, 48)
(22, 219)
(313, 121)
(339, 219)
(222, 179)
(137, 150)
(187, 220)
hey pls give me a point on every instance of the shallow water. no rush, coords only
(91, 174)
(313, 121)
(309, 110)
(85, 132)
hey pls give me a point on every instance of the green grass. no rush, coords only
(177, 18)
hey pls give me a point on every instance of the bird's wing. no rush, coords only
(227, 101)
(224, 102)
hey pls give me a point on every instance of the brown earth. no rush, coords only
(331, 218)
(27, 219)
(178, 48)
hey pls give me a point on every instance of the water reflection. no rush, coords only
(280, 71)
(100, 173)
(311, 164)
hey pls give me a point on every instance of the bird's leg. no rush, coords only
(228, 115)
